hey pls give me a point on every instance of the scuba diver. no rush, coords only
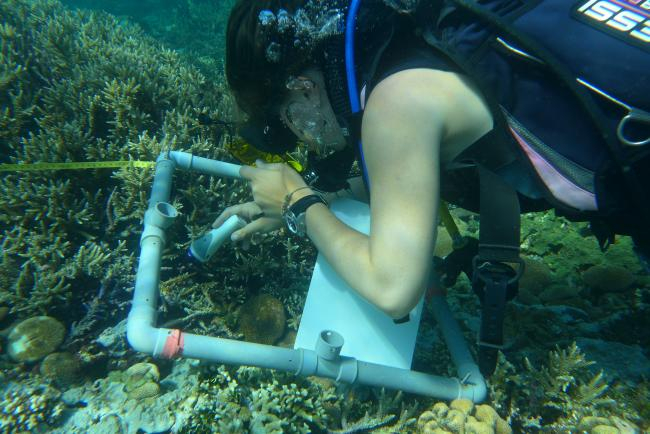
(484, 104)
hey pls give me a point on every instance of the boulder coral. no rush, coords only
(461, 416)
(536, 278)
(608, 278)
(262, 319)
(35, 338)
(141, 381)
(63, 368)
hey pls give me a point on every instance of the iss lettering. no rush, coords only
(629, 19)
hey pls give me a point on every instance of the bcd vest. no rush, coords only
(570, 83)
(569, 90)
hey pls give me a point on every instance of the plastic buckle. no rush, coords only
(489, 271)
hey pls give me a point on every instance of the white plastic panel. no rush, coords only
(370, 335)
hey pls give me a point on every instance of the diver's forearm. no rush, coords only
(348, 252)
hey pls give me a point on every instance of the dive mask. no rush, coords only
(325, 174)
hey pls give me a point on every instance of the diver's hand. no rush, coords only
(270, 185)
(257, 222)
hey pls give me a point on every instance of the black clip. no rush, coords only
(495, 283)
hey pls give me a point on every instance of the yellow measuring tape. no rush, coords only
(74, 166)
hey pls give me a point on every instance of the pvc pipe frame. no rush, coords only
(325, 361)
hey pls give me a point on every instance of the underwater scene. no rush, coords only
(92, 94)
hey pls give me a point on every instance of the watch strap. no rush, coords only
(294, 217)
(301, 205)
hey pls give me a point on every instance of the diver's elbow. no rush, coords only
(400, 303)
(398, 312)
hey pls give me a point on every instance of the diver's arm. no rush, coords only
(407, 117)
(390, 267)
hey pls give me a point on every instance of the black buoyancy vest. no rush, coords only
(558, 83)
(560, 77)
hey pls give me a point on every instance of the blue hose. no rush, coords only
(353, 92)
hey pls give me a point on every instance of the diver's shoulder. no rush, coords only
(446, 101)
(422, 87)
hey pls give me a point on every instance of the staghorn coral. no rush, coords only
(197, 28)
(284, 408)
(81, 86)
(567, 385)
(194, 27)
(381, 411)
(85, 87)
(560, 396)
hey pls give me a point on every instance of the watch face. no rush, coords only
(292, 224)
(295, 223)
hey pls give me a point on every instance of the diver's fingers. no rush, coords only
(249, 211)
(225, 215)
(269, 166)
(248, 172)
(261, 225)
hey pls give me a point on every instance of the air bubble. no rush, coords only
(266, 18)
(285, 22)
(304, 29)
(273, 52)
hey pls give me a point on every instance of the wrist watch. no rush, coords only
(294, 217)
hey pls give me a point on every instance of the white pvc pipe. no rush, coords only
(143, 336)
(188, 161)
(466, 368)
(140, 330)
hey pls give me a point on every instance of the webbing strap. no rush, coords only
(492, 276)
(493, 312)
(499, 225)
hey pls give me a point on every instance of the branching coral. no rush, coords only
(84, 87)
(568, 386)
(29, 407)
(79, 86)
(385, 412)
(285, 408)
(563, 395)
(252, 400)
